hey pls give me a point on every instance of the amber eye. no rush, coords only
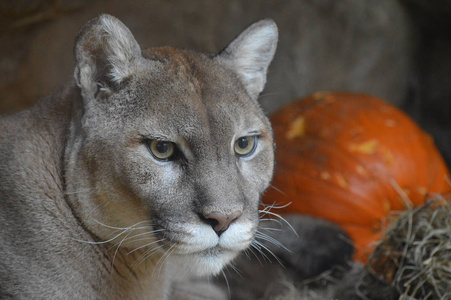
(245, 146)
(161, 150)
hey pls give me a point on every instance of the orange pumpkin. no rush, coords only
(351, 159)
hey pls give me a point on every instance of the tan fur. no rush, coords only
(87, 212)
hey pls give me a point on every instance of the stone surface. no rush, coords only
(324, 44)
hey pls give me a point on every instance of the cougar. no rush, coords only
(146, 166)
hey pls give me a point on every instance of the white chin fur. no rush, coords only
(209, 262)
(203, 253)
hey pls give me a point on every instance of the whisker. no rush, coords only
(133, 240)
(271, 229)
(234, 268)
(274, 205)
(257, 246)
(166, 256)
(146, 255)
(227, 282)
(270, 220)
(124, 230)
(268, 94)
(117, 249)
(277, 189)
(255, 254)
(102, 242)
(121, 228)
(269, 251)
(128, 239)
(96, 208)
(282, 219)
(134, 237)
(146, 245)
(272, 240)
(246, 252)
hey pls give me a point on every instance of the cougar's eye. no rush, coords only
(245, 146)
(161, 150)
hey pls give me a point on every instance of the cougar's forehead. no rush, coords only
(193, 93)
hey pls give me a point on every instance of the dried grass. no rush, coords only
(414, 256)
(411, 262)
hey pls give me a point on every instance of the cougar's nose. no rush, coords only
(219, 221)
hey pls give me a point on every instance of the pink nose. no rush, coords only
(220, 222)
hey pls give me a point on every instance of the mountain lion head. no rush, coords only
(170, 151)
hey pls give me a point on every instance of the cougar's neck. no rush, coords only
(141, 274)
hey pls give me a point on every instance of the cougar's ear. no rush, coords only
(105, 53)
(250, 54)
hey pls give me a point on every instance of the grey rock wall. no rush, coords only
(357, 45)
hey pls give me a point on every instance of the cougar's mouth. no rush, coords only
(201, 251)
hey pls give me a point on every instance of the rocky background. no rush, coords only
(399, 50)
